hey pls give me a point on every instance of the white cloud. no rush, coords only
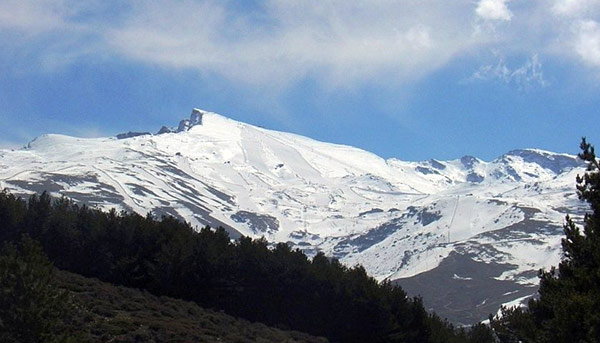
(31, 18)
(28, 17)
(41, 35)
(587, 44)
(338, 43)
(525, 76)
(494, 10)
(341, 41)
(575, 8)
(580, 37)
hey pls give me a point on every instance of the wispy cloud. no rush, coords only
(527, 75)
(575, 8)
(580, 35)
(27, 17)
(339, 43)
(494, 10)
(587, 42)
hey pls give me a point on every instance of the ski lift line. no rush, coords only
(515, 240)
(453, 215)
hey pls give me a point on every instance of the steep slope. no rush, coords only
(401, 220)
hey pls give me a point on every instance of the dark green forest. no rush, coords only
(246, 278)
(43, 304)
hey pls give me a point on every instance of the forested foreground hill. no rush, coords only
(41, 304)
(119, 314)
(276, 286)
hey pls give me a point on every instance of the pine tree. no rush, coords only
(31, 305)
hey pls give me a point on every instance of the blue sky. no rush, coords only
(407, 79)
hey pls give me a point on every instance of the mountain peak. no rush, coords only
(555, 162)
(195, 119)
(529, 152)
(469, 161)
(185, 124)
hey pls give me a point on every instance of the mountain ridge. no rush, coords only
(399, 219)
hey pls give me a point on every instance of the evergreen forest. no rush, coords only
(246, 278)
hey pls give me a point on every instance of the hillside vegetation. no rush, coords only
(247, 279)
(43, 305)
(118, 314)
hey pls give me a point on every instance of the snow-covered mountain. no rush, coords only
(466, 234)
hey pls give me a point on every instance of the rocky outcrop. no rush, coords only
(131, 134)
(195, 119)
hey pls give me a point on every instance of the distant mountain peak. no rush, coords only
(469, 161)
(555, 162)
(530, 152)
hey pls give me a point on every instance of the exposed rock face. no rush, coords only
(474, 177)
(259, 223)
(196, 117)
(469, 161)
(184, 125)
(464, 289)
(131, 134)
(164, 129)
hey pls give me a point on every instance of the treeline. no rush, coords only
(40, 304)
(279, 286)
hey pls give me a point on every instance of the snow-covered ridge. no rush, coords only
(399, 219)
